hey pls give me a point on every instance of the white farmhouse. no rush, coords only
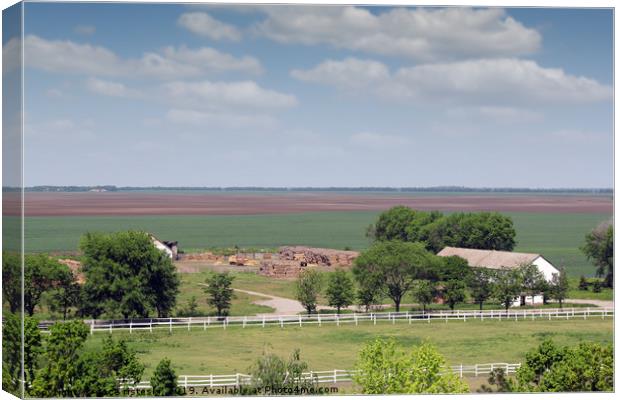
(170, 248)
(494, 259)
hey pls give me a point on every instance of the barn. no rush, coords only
(494, 259)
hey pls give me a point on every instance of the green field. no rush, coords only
(556, 236)
(220, 351)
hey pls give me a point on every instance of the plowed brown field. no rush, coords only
(121, 204)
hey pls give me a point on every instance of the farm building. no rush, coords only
(494, 259)
(170, 248)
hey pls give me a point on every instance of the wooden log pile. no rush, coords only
(318, 256)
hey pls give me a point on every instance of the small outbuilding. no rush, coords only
(170, 248)
(494, 259)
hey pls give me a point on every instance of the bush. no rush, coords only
(164, 380)
(583, 283)
(597, 287)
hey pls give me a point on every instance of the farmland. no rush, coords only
(234, 349)
(555, 235)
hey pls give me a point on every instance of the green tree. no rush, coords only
(454, 293)
(587, 367)
(392, 224)
(533, 281)
(559, 286)
(384, 369)
(396, 265)
(126, 275)
(164, 380)
(275, 373)
(480, 283)
(307, 289)
(367, 294)
(424, 293)
(483, 230)
(11, 280)
(59, 377)
(507, 286)
(339, 289)
(12, 350)
(220, 291)
(65, 295)
(599, 248)
(189, 310)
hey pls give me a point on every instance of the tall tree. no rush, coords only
(126, 275)
(599, 248)
(12, 280)
(220, 291)
(339, 289)
(424, 293)
(507, 286)
(454, 293)
(271, 371)
(533, 281)
(164, 380)
(396, 265)
(480, 283)
(65, 296)
(559, 286)
(307, 289)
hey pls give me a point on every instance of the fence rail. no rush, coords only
(333, 376)
(204, 323)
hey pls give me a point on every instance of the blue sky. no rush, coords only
(177, 95)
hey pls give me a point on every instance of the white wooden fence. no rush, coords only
(333, 376)
(204, 323)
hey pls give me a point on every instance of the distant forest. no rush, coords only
(452, 189)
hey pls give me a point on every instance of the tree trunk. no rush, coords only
(480, 306)
(397, 304)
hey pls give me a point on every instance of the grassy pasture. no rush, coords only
(234, 349)
(557, 236)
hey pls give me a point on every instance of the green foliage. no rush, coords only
(549, 368)
(451, 268)
(583, 283)
(368, 293)
(164, 380)
(66, 295)
(339, 289)
(507, 286)
(454, 292)
(273, 372)
(558, 287)
(394, 266)
(220, 292)
(502, 383)
(190, 309)
(424, 293)
(599, 248)
(12, 350)
(532, 279)
(384, 369)
(126, 275)
(480, 284)
(307, 289)
(11, 280)
(597, 287)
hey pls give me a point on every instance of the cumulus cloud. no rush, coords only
(484, 81)
(427, 34)
(66, 56)
(203, 24)
(216, 95)
(109, 88)
(350, 73)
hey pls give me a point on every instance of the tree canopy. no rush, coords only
(393, 267)
(126, 275)
(220, 292)
(307, 289)
(339, 289)
(599, 248)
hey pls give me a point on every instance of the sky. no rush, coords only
(195, 95)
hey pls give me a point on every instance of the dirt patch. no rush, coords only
(74, 204)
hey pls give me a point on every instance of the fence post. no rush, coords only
(337, 320)
(374, 317)
(516, 316)
(482, 316)
(393, 319)
(335, 376)
(300, 320)
(476, 369)
(461, 370)
(130, 326)
(237, 378)
(281, 323)
(355, 317)
(244, 321)
(110, 328)
(318, 316)
(263, 321)
(185, 382)
(428, 318)
(170, 329)
(151, 325)
(92, 327)
(211, 380)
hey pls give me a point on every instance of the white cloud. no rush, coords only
(109, 88)
(84, 30)
(375, 140)
(203, 24)
(427, 34)
(65, 56)
(501, 114)
(483, 81)
(350, 73)
(220, 120)
(218, 95)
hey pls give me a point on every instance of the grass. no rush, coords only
(555, 235)
(575, 293)
(328, 347)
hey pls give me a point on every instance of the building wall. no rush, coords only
(546, 268)
(164, 248)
